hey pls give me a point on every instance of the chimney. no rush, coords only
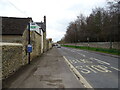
(45, 22)
(44, 19)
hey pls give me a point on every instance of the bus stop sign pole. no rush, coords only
(28, 43)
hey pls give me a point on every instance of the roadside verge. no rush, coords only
(101, 50)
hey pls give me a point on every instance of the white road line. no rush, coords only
(91, 69)
(115, 68)
(100, 61)
(81, 54)
(80, 50)
(86, 51)
(82, 79)
(77, 52)
(103, 62)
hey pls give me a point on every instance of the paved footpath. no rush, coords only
(47, 71)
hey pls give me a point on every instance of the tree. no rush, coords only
(101, 25)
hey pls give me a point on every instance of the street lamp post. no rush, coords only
(76, 32)
(88, 41)
(75, 35)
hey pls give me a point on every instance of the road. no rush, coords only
(97, 70)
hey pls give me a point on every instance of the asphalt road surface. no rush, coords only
(99, 70)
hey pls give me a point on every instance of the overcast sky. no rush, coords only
(59, 13)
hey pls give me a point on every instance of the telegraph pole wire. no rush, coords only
(17, 8)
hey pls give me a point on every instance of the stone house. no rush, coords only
(14, 30)
(43, 26)
(49, 43)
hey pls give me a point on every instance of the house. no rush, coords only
(43, 26)
(49, 43)
(15, 30)
(14, 42)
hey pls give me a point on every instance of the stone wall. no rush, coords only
(10, 60)
(115, 45)
(36, 43)
(35, 40)
(48, 44)
(0, 54)
(24, 50)
(11, 52)
(44, 42)
(14, 55)
(12, 38)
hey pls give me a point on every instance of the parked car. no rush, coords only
(58, 46)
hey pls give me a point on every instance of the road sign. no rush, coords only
(33, 26)
(29, 48)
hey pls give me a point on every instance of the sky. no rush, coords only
(59, 13)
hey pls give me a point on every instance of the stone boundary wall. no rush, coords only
(14, 55)
(0, 54)
(35, 40)
(115, 45)
(48, 44)
(10, 60)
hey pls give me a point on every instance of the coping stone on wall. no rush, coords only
(13, 44)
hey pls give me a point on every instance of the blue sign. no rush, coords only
(29, 48)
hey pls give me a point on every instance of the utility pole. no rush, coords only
(28, 42)
(44, 34)
(75, 35)
(88, 41)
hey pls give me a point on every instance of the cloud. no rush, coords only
(53, 33)
(58, 12)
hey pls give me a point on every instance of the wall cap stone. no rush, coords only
(11, 44)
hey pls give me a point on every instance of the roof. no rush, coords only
(42, 25)
(14, 25)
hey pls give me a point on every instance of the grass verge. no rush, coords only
(103, 50)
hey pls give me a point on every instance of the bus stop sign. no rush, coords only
(29, 48)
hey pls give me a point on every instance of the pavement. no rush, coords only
(47, 71)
